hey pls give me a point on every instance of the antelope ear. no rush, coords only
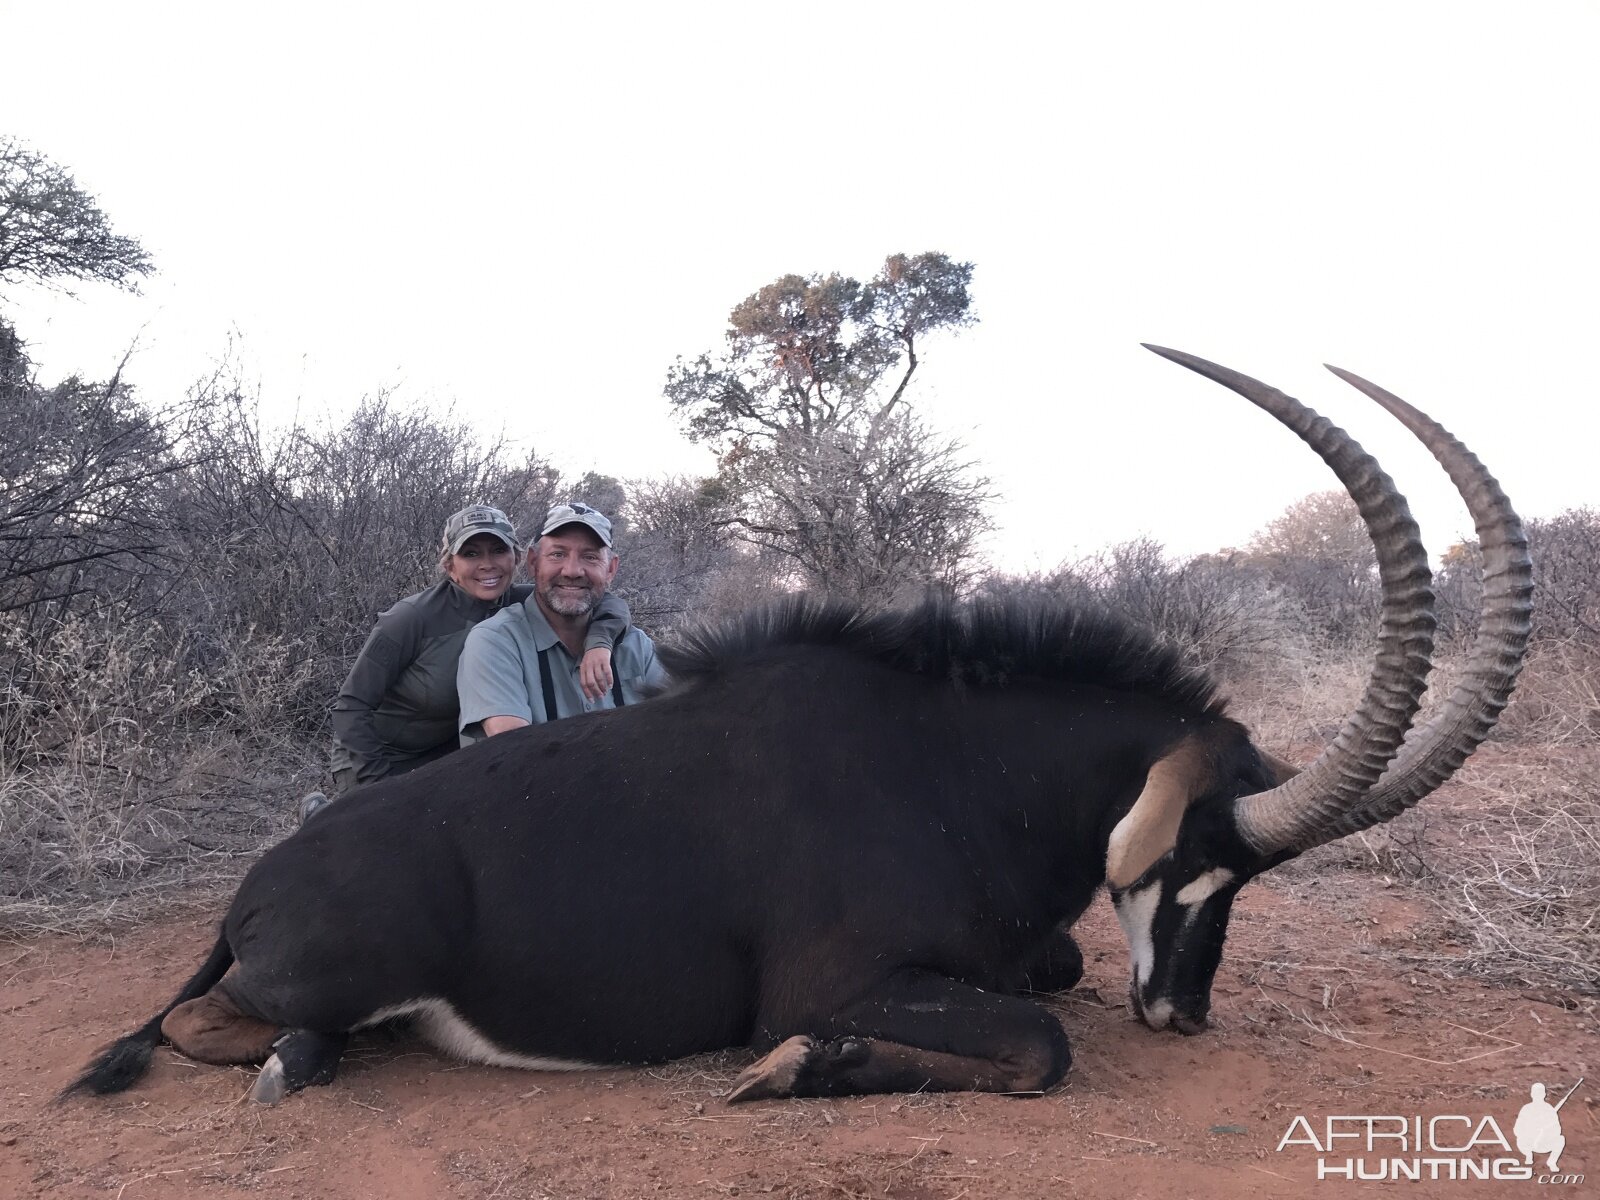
(1281, 770)
(1151, 827)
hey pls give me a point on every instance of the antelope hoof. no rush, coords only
(775, 1075)
(270, 1086)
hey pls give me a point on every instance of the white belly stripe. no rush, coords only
(447, 1030)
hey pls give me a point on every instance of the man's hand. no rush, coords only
(594, 673)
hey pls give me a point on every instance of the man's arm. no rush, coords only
(489, 681)
(494, 725)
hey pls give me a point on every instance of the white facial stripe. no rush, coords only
(1136, 912)
(1203, 887)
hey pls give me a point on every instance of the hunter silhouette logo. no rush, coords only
(1451, 1146)
(1538, 1127)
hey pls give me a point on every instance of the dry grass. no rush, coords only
(1523, 883)
(1298, 701)
(135, 769)
(1509, 851)
(76, 856)
(1557, 702)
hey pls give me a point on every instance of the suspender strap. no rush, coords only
(547, 686)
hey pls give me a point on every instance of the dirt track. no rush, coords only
(1140, 1115)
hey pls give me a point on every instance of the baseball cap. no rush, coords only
(578, 514)
(476, 519)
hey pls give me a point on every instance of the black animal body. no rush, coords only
(849, 840)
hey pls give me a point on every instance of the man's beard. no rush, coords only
(571, 602)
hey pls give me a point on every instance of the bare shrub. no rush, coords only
(1318, 557)
(185, 583)
(82, 518)
(1565, 550)
(297, 538)
(1566, 575)
(1458, 596)
(676, 550)
(1557, 701)
(93, 686)
(1222, 618)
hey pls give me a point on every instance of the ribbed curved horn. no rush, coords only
(1433, 751)
(1304, 810)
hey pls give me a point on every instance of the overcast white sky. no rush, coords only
(531, 210)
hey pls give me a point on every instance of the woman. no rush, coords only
(398, 707)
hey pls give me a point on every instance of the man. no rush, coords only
(521, 666)
(398, 709)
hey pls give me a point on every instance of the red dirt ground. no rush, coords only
(1316, 1012)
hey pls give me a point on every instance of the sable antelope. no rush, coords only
(845, 839)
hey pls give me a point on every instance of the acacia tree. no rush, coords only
(822, 462)
(51, 229)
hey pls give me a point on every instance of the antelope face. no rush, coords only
(1174, 863)
(1175, 919)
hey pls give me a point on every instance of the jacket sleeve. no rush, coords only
(390, 648)
(608, 625)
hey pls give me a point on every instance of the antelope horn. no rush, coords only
(1433, 751)
(1304, 810)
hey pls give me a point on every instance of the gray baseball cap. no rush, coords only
(578, 514)
(476, 519)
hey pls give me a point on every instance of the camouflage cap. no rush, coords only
(578, 514)
(476, 519)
